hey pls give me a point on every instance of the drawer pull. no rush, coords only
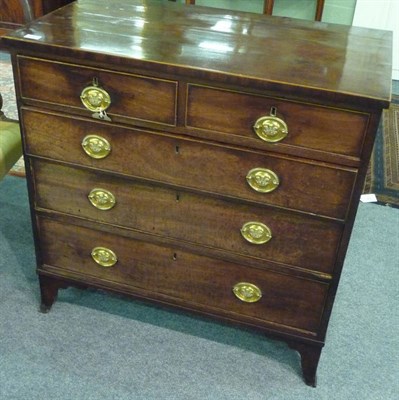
(102, 199)
(95, 98)
(262, 180)
(271, 128)
(247, 292)
(104, 257)
(256, 232)
(96, 146)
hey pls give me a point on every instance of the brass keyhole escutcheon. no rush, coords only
(104, 257)
(247, 292)
(256, 232)
(263, 180)
(102, 199)
(96, 146)
(271, 129)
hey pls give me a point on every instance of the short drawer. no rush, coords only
(193, 281)
(314, 187)
(309, 126)
(130, 96)
(189, 218)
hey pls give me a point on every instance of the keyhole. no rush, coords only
(273, 111)
(177, 197)
(174, 256)
(177, 149)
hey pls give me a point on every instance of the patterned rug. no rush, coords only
(383, 174)
(9, 103)
(7, 89)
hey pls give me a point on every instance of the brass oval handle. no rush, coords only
(102, 199)
(263, 180)
(96, 146)
(104, 257)
(256, 232)
(247, 292)
(95, 98)
(271, 129)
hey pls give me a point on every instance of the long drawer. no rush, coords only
(262, 297)
(131, 96)
(262, 233)
(291, 183)
(309, 126)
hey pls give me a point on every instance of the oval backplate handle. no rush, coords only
(256, 232)
(271, 129)
(104, 257)
(101, 199)
(247, 292)
(95, 98)
(96, 146)
(263, 180)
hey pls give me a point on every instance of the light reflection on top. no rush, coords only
(216, 46)
(139, 22)
(223, 25)
(226, 25)
(141, 8)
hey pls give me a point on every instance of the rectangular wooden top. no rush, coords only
(335, 62)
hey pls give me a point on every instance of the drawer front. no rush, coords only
(191, 280)
(131, 96)
(311, 187)
(309, 126)
(187, 217)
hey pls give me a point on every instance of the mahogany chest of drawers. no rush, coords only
(203, 159)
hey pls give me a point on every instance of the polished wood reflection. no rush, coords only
(331, 58)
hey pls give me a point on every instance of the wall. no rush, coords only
(339, 11)
(381, 14)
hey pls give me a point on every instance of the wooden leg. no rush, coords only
(319, 10)
(268, 7)
(49, 290)
(310, 356)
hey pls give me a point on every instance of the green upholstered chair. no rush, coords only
(10, 136)
(10, 142)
